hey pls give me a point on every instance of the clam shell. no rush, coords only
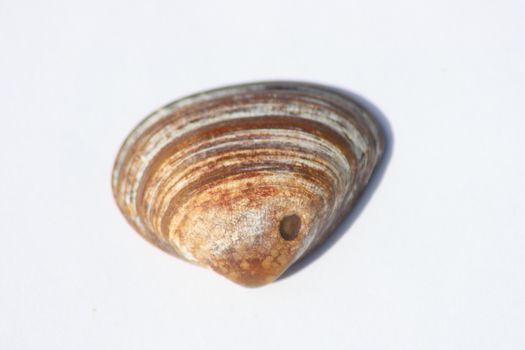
(246, 179)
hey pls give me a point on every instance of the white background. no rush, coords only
(434, 257)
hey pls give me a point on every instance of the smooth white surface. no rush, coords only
(436, 259)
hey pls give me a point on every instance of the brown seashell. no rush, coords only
(246, 179)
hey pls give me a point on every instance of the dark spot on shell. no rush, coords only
(289, 227)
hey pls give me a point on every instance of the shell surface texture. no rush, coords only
(247, 179)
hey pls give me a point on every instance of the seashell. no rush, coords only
(246, 179)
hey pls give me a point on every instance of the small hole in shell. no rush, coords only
(289, 227)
